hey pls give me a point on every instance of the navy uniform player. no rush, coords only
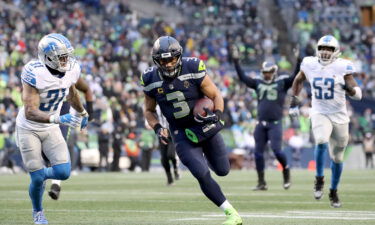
(82, 86)
(46, 83)
(175, 84)
(330, 78)
(271, 92)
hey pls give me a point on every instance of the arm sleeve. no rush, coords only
(250, 82)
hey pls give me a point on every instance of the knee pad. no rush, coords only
(338, 154)
(62, 171)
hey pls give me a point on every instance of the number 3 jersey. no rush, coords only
(52, 91)
(328, 95)
(176, 97)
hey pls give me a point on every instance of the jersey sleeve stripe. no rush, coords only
(191, 76)
(29, 78)
(153, 85)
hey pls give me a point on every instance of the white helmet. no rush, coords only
(55, 51)
(269, 67)
(327, 56)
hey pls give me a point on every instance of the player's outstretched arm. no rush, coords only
(31, 100)
(152, 120)
(351, 87)
(235, 55)
(82, 86)
(298, 83)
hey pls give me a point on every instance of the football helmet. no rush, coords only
(327, 49)
(269, 67)
(167, 54)
(56, 52)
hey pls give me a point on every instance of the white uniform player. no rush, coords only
(330, 79)
(46, 83)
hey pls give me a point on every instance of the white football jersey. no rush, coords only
(328, 96)
(52, 91)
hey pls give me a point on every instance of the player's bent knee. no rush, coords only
(33, 165)
(321, 140)
(62, 171)
(338, 155)
(222, 172)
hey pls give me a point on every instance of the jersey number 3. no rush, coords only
(180, 104)
(54, 100)
(323, 88)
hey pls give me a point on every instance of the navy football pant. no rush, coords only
(199, 157)
(264, 132)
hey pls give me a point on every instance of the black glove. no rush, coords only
(158, 131)
(211, 117)
(295, 102)
(90, 110)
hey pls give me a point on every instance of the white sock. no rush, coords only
(58, 182)
(225, 205)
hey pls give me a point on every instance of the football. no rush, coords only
(201, 104)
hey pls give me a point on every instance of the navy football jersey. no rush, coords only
(176, 97)
(271, 96)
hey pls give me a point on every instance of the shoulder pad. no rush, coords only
(194, 64)
(147, 75)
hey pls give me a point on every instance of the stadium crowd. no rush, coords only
(112, 44)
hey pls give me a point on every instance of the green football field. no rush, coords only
(143, 198)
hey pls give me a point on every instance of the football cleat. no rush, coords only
(318, 187)
(39, 217)
(334, 198)
(233, 218)
(54, 193)
(262, 186)
(286, 177)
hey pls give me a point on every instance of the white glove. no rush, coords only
(294, 112)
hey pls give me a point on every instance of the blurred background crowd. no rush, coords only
(113, 39)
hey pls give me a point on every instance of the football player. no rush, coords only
(330, 78)
(175, 84)
(271, 92)
(46, 83)
(82, 86)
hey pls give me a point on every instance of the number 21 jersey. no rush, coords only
(52, 91)
(328, 95)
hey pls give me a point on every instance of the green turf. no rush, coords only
(143, 198)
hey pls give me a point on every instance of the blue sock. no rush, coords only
(336, 174)
(320, 151)
(36, 189)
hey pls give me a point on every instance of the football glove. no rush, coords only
(66, 119)
(294, 106)
(85, 119)
(211, 117)
(159, 132)
(234, 52)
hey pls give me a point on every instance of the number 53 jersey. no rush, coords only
(328, 95)
(52, 91)
(176, 97)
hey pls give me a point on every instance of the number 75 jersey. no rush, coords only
(52, 91)
(328, 95)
